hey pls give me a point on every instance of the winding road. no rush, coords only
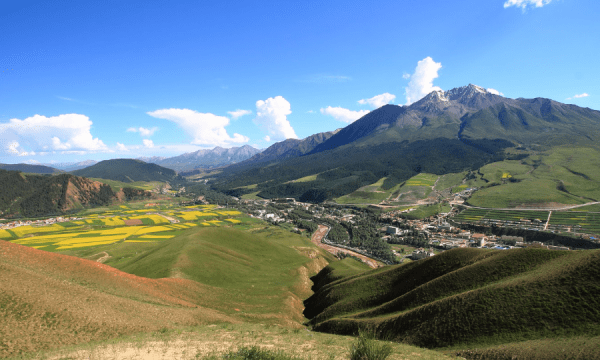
(318, 236)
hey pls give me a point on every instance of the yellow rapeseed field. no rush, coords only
(5, 234)
(28, 229)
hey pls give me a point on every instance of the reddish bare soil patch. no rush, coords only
(50, 300)
(133, 222)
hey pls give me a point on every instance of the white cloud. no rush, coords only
(31, 161)
(121, 147)
(239, 113)
(67, 132)
(148, 143)
(378, 101)
(205, 128)
(15, 149)
(344, 115)
(271, 116)
(267, 138)
(578, 96)
(421, 82)
(406, 76)
(143, 131)
(523, 4)
(494, 91)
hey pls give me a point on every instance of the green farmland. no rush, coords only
(581, 222)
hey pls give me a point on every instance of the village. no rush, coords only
(428, 236)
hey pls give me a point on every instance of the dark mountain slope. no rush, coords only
(129, 170)
(345, 169)
(468, 296)
(36, 195)
(289, 148)
(377, 119)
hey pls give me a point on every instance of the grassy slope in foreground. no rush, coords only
(215, 341)
(468, 297)
(203, 276)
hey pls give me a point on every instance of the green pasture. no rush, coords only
(258, 268)
(422, 179)
(306, 179)
(451, 181)
(563, 175)
(143, 185)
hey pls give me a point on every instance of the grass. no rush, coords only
(201, 275)
(118, 185)
(425, 211)
(252, 196)
(450, 180)
(422, 179)
(306, 178)
(562, 175)
(468, 298)
(366, 347)
(581, 347)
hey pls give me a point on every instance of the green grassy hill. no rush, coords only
(202, 276)
(563, 175)
(468, 298)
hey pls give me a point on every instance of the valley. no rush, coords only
(465, 224)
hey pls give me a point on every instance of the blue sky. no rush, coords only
(122, 79)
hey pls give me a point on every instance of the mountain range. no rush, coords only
(446, 131)
(129, 170)
(205, 158)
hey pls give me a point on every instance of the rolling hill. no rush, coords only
(445, 132)
(203, 276)
(466, 298)
(129, 170)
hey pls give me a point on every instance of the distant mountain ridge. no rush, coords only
(72, 166)
(30, 168)
(205, 158)
(129, 170)
(290, 148)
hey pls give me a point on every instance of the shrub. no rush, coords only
(367, 348)
(256, 353)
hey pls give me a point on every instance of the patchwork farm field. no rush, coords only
(582, 222)
(121, 224)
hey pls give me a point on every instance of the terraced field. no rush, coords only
(510, 215)
(585, 222)
(582, 222)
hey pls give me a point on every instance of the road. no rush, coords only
(317, 237)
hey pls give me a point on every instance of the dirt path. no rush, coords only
(172, 220)
(104, 257)
(322, 231)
